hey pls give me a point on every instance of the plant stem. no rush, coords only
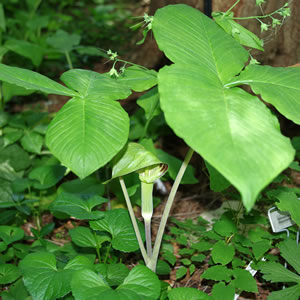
(231, 8)
(1, 98)
(106, 254)
(97, 247)
(133, 220)
(153, 261)
(67, 54)
(147, 212)
(259, 17)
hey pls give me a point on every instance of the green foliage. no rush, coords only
(288, 201)
(187, 294)
(117, 223)
(132, 158)
(183, 87)
(275, 272)
(199, 98)
(44, 280)
(140, 283)
(74, 205)
(222, 253)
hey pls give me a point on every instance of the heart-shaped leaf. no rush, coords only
(222, 291)
(63, 41)
(231, 129)
(222, 253)
(75, 206)
(244, 280)
(44, 280)
(141, 283)
(89, 130)
(117, 222)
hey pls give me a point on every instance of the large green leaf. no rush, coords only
(86, 134)
(141, 283)
(118, 224)
(278, 86)
(231, 129)
(44, 280)
(89, 130)
(32, 80)
(189, 37)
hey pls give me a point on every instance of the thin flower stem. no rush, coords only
(130, 63)
(133, 220)
(231, 8)
(67, 54)
(107, 253)
(260, 17)
(153, 261)
(97, 247)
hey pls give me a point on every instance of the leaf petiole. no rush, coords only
(133, 220)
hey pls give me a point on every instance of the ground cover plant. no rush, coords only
(200, 97)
